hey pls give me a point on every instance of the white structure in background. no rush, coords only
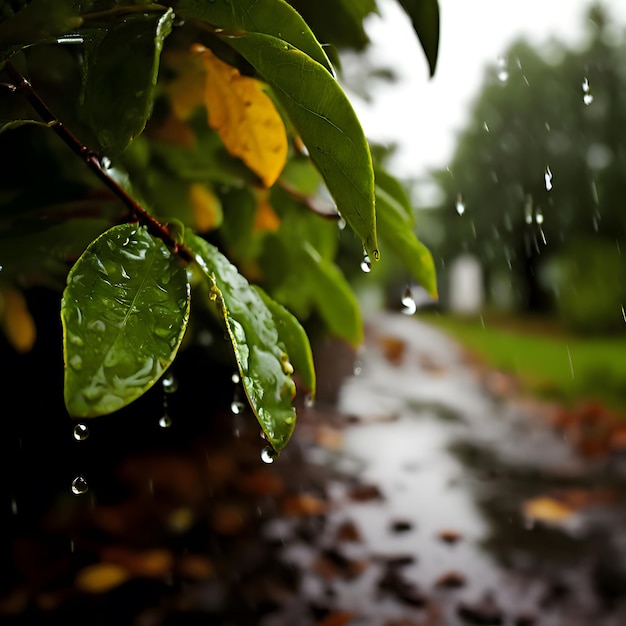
(467, 292)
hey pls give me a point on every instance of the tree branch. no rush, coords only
(154, 227)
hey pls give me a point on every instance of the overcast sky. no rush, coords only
(423, 115)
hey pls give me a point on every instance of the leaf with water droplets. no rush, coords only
(424, 15)
(121, 68)
(325, 120)
(295, 339)
(124, 312)
(261, 357)
(396, 232)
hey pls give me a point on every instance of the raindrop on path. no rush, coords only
(81, 432)
(79, 486)
(268, 454)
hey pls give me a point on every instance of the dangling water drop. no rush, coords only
(268, 454)
(81, 432)
(237, 407)
(460, 207)
(587, 97)
(169, 382)
(309, 400)
(236, 378)
(366, 264)
(539, 216)
(548, 178)
(79, 486)
(408, 302)
(165, 421)
(286, 365)
(341, 223)
(503, 73)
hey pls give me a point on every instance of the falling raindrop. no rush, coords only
(623, 313)
(165, 421)
(486, 127)
(81, 432)
(79, 486)
(539, 216)
(528, 210)
(341, 223)
(309, 400)
(503, 73)
(587, 97)
(366, 264)
(460, 206)
(169, 382)
(236, 378)
(268, 454)
(236, 407)
(547, 176)
(408, 302)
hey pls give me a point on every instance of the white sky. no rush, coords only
(424, 115)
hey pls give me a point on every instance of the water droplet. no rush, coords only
(76, 340)
(587, 97)
(539, 216)
(76, 362)
(268, 454)
(81, 432)
(623, 313)
(547, 176)
(528, 210)
(366, 264)
(105, 162)
(486, 127)
(169, 382)
(408, 302)
(286, 364)
(358, 368)
(237, 407)
(236, 378)
(460, 206)
(503, 73)
(218, 30)
(341, 223)
(97, 325)
(309, 400)
(165, 421)
(79, 485)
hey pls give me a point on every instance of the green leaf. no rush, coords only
(121, 70)
(13, 124)
(397, 233)
(334, 300)
(37, 21)
(424, 15)
(327, 124)
(124, 312)
(263, 363)
(269, 17)
(294, 337)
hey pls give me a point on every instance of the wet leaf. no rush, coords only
(17, 322)
(244, 117)
(335, 300)
(325, 120)
(424, 15)
(37, 21)
(263, 363)
(121, 70)
(295, 339)
(275, 18)
(124, 313)
(396, 232)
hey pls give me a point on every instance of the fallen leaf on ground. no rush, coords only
(546, 509)
(101, 577)
(304, 504)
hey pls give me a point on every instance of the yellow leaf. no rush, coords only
(207, 208)
(186, 91)
(266, 218)
(244, 117)
(17, 322)
(545, 509)
(101, 577)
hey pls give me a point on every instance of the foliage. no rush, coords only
(541, 163)
(210, 131)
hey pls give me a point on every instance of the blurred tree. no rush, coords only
(541, 163)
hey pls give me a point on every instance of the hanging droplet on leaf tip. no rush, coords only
(268, 455)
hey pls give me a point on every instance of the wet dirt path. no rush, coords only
(409, 496)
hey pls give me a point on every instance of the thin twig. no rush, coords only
(154, 227)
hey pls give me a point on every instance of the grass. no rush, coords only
(548, 361)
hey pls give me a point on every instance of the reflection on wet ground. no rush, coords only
(418, 498)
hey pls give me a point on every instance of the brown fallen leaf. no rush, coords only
(101, 577)
(304, 504)
(450, 536)
(348, 531)
(363, 493)
(450, 580)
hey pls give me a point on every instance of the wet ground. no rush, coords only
(418, 491)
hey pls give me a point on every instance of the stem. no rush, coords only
(153, 226)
